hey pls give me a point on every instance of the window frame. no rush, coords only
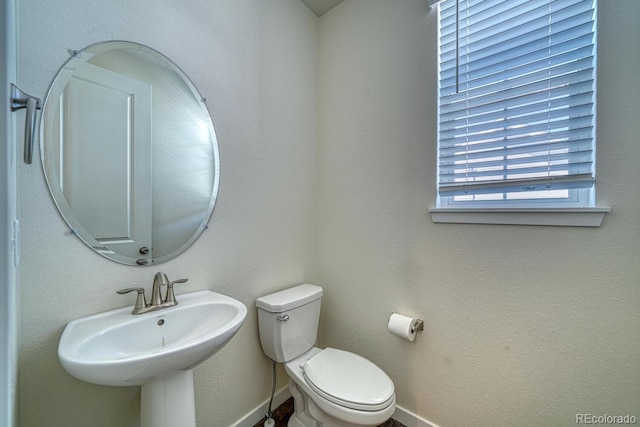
(578, 209)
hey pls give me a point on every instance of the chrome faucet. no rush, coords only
(157, 302)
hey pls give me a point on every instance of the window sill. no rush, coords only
(567, 217)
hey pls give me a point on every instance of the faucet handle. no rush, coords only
(141, 301)
(170, 297)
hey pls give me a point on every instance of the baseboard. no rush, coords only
(258, 413)
(401, 415)
(410, 419)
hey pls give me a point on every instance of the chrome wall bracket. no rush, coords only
(419, 326)
(19, 100)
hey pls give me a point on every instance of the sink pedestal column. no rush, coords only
(169, 402)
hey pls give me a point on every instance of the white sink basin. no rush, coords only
(120, 349)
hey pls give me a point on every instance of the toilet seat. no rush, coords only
(348, 380)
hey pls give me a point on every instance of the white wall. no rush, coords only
(524, 325)
(256, 63)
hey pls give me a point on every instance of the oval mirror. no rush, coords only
(129, 153)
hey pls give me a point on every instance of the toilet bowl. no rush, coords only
(330, 387)
(340, 388)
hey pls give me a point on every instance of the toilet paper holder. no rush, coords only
(419, 326)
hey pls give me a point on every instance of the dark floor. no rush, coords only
(283, 412)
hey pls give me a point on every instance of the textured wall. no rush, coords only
(524, 325)
(256, 63)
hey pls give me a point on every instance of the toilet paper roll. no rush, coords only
(403, 326)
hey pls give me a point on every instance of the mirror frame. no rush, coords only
(56, 192)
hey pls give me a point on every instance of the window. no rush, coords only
(516, 104)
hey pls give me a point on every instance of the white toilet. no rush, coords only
(330, 387)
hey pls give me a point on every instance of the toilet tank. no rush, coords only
(288, 321)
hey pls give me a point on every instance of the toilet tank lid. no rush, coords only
(288, 299)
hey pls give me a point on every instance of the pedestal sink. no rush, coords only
(156, 350)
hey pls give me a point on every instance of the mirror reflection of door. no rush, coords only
(107, 153)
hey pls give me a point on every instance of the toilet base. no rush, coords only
(294, 421)
(301, 416)
(308, 414)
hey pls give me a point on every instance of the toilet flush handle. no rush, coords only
(283, 317)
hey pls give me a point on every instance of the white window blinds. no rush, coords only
(516, 99)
